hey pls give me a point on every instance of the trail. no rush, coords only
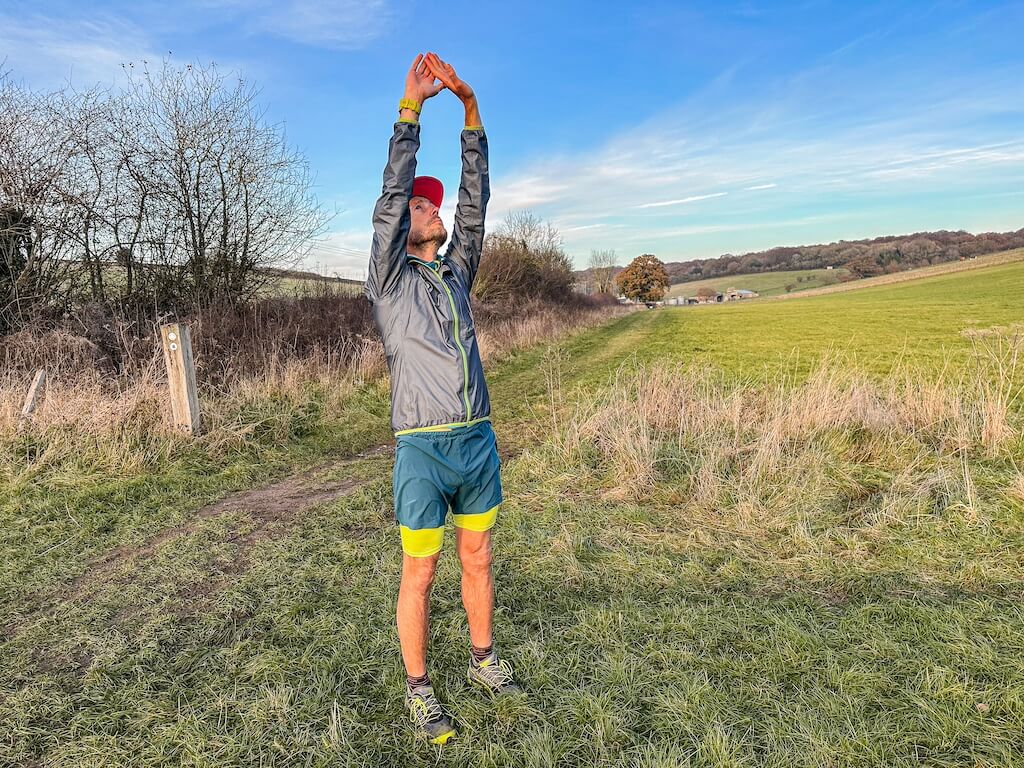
(259, 512)
(520, 409)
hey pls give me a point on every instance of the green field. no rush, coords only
(764, 283)
(768, 533)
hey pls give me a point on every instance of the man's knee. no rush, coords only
(418, 572)
(475, 551)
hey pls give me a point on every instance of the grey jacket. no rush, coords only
(422, 310)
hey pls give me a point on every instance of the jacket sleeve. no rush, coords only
(391, 214)
(474, 192)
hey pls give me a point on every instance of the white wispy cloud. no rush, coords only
(335, 24)
(824, 145)
(342, 254)
(47, 51)
(691, 199)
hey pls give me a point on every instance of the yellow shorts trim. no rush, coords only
(423, 542)
(483, 521)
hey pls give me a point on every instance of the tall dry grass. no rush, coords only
(836, 446)
(272, 390)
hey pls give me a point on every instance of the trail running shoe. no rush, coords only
(493, 674)
(427, 714)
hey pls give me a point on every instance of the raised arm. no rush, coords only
(391, 214)
(474, 188)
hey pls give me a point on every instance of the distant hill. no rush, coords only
(863, 258)
(765, 283)
(297, 274)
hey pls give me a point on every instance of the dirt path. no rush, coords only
(260, 513)
(264, 510)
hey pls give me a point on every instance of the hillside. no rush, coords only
(864, 258)
(765, 283)
(979, 262)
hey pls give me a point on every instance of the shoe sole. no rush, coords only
(443, 738)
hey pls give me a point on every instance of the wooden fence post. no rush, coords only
(32, 398)
(181, 376)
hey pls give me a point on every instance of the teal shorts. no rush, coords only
(456, 468)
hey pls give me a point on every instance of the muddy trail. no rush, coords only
(255, 514)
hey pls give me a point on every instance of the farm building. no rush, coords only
(737, 294)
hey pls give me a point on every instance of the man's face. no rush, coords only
(426, 226)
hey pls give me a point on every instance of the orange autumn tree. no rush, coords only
(645, 279)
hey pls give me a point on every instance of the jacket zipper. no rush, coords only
(458, 343)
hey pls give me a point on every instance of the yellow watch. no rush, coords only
(412, 104)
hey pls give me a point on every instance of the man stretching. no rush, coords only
(440, 411)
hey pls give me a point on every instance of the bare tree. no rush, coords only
(217, 196)
(172, 193)
(36, 252)
(602, 270)
(524, 257)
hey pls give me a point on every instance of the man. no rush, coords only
(440, 411)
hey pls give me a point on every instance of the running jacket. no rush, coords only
(421, 309)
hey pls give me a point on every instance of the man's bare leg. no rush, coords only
(414, 611)
(474, 548)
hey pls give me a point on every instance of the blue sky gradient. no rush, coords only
(687, 130)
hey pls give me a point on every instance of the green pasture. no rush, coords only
(764, 283)
(868, 613)
(921, 323)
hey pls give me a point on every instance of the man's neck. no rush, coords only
(425, 251)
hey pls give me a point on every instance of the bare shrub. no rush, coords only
(266, 374)
(523, 258)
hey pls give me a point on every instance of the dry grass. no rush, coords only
(123, 422)
(782, 453)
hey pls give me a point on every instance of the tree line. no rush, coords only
(863, 258)
(170, 193)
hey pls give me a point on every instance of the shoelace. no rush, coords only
(426, 709)
(499, 674)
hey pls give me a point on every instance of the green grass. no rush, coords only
(919, 323)
(304, 286)
(764, 283)
(859, 605)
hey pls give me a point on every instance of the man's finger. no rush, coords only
(416, 62)
(435, 62)
(444, 75)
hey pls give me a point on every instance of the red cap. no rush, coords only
(430, 188)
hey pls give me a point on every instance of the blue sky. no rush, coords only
(687, 130)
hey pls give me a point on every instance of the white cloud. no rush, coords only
(691, 199)
(341, 254)
(335, 24)
(825, 147)
(47, 51)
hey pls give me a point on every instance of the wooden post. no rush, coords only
(181, 376)
(32, 398)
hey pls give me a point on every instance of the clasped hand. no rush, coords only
(429, 75)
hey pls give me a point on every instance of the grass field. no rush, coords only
(776, 533)
(764, 283)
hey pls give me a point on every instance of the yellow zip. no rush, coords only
(458, 343)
